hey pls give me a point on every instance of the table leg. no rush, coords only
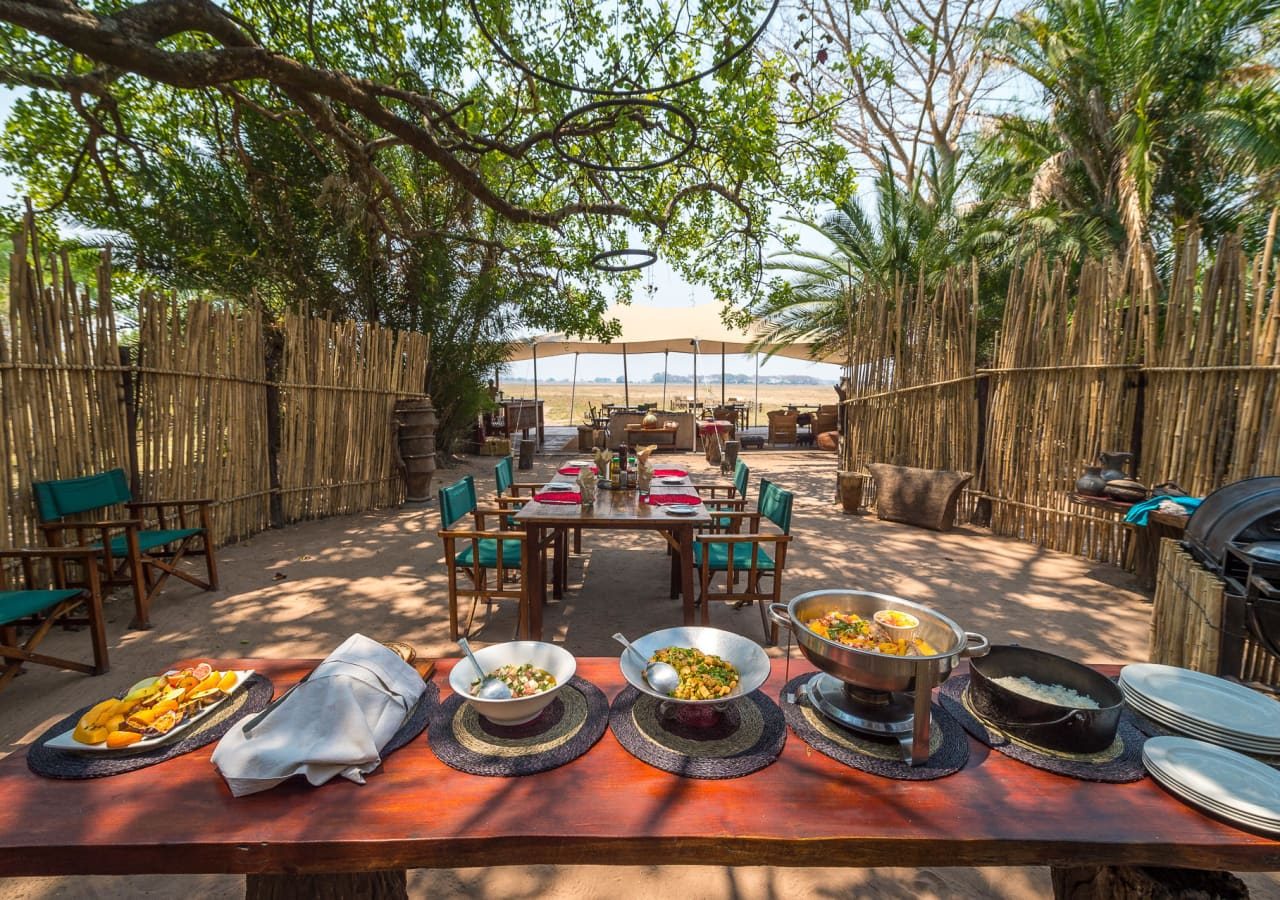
(392, 884)
(684, 559)
(675, 571)
(535, 582)
(560, 568)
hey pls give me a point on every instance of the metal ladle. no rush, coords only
(490, 688)
(662, 677)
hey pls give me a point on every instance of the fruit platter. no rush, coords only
(153, 711)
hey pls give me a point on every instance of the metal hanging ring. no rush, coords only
(559, 138)
(643, 258)
(529, 70)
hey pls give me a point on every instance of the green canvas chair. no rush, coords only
(510, 497)
(734, 498)
(482, 551)
(44, 605)
(739, 553)
(141, 551)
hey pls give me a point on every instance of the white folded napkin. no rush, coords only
(333, 724)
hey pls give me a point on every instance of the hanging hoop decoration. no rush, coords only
(640, 258)
(704, 38)
(615, 129)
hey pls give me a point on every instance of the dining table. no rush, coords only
(604, 808)
(618, 510)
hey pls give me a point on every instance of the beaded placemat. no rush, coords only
(1117, 764)
(567, 728)
(948, 747)
(252, 698)
(746, 735)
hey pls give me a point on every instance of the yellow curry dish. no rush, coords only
(703, 676)
(854, 631)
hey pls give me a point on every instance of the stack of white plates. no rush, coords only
(1204, 706)
(1235, 787)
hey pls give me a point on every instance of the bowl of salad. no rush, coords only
(534, 670)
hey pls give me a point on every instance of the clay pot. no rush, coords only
(649, 421)
(1115, 465)
(1091, 483)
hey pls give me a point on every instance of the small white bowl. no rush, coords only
(897, 632)
(518, 710)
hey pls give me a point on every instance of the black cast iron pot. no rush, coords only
(1068, 729)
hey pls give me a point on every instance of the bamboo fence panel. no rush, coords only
(339, 384)
(61, 405)
(1060, 392)
(202, 411)
(1213, 386)
(912, 400)
(1186, 614)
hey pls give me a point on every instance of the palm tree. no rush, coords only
(1160, 113)
(911, 236)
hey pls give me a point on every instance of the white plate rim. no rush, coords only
(67, 742)
(680, 509)
(1265, 724)
(1161, 759)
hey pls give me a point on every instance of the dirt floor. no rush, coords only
(301, 590)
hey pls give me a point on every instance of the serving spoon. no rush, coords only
(490, 688)
(662, 677)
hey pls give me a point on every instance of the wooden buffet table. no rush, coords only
(622, 510)
(604, 808)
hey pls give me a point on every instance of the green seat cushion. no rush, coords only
(15, 605)
(489, 554)
(725, 523)
(719, 556)
(149, 539)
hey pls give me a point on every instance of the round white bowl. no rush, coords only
(518, 710)
(742, 653)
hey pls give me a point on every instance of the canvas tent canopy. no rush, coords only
(666, 330)
(647, 329)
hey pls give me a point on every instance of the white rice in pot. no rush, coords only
(1057, 694)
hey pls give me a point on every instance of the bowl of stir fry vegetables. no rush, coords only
(533, 670)
(715, 666)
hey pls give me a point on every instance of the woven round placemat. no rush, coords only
(1118, 764)
(748, 735)
(948, 747)
(568, 727)
(413, 726)
(42, 760)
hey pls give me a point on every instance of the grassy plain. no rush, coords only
(556, 396)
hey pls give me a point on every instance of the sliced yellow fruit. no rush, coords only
(228, 682)
(118, 739)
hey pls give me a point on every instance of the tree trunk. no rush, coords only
(386, 885)
(1144, 883)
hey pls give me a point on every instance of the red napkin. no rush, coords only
(669, 473)
(558, 497)
(670, 499)
(573, 470)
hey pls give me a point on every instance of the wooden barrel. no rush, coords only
(417, 429)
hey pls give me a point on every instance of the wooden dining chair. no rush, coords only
(142, 550)
(499, 550)
(44, 603)
(748, 553)
(726, 497)
(783, 427)
(510, 489)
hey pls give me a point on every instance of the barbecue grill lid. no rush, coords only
(1246, 510)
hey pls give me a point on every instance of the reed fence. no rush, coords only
(1185, 376)
(275, 424)
(912, 379)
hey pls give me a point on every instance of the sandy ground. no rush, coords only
(299, 591)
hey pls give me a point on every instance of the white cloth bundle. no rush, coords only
(334, 723)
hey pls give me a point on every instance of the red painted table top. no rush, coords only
(605, 807)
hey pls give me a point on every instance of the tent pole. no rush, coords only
(694, 410)
(573, 391)
(626, 382)
(666, 359)
(535, 374)
(757, 403)
(722, 373)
